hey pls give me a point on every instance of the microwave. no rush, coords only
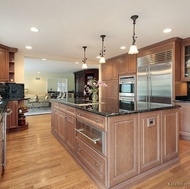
(127, 85)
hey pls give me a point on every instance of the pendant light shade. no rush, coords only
(133, 49)
(103, 50)
(84, 66)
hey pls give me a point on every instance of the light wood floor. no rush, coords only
(36, 160)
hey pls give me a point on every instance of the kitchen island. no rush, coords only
(117, 148)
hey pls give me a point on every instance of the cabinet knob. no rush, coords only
(96, 120)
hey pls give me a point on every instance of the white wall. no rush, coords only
(36, 84)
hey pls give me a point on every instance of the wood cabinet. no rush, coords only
(118, 151)
(170, 134)
(16, 120)
(185, 60)
(150, 140)
(4, 65)
(93, 161)
(121, 65)
(184, 126)
(81, 78)
(7, 61)
(122, 148)
(64, 124)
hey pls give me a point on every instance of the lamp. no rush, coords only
(102, 52)
(84, 66)
(133, 49)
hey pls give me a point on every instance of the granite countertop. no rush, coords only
(110, 107)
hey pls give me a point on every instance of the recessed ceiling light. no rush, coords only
(98, 57)
(28, 47)
(38, 72)
(34, 29)
(123, 47)
(76, 62)
(167, 30)
(44, 59)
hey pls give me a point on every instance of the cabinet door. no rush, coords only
(107, 70)
(122, 66)
(12, 119)
(4, 74)
(55, 122)
(185, 60)
(122, 148)
(71, 125)
(131, 61)
(62, 126)
(170, 134)
(184, 126)
(150, 140)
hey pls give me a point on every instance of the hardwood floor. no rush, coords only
(36, 160)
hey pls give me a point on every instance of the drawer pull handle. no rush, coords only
(93, 140)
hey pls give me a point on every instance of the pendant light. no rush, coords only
(84, 66)
(133, 49)
(102, 52)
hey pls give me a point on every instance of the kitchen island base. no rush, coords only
(133, 147)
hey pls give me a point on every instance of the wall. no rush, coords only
(19, 67)
(36, 84)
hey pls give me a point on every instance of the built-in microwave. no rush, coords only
(127, 87)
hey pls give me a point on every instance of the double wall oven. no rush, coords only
(127, 93)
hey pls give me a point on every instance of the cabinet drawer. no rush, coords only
(94, 162)
(62, 107)
(93, 119)
(71, 111)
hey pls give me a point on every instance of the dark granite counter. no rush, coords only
(110, 107)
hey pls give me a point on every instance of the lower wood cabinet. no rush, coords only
(184, 128)
(95, 163)
(63, 125)
(122, 148)
(150, 140)
(170, 134)
(16, 120)
(136, 146)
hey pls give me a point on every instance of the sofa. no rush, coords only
(37, 100)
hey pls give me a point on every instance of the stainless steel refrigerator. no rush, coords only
(154, 80)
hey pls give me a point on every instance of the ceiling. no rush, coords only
(67, 25)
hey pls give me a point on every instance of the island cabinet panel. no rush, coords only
(71, 135)
(170, 134)
(64, 124)
(150, 140)
(122, 148)
(94, 163)
(184, 126)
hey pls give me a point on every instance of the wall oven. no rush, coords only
(127, 93)
(91, 136)
(127, 85)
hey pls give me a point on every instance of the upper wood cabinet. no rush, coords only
(185, 60)
(4, 65)
(7, 61)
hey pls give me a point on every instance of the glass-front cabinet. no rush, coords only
(185, 61)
